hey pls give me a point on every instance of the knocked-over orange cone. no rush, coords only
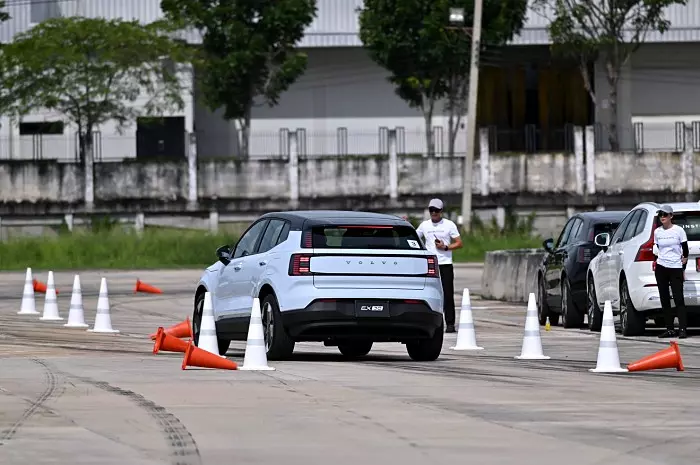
(182, 329)
(147, 288)
(168, 343)
(667, 358)
(40, 287)
(196, 357)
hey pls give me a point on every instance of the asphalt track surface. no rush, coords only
(71, 397)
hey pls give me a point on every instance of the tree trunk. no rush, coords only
(429, 142)
(613, 75)
(244, 135)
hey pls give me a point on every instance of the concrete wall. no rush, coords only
(510, 275)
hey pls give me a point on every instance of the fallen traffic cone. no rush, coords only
(182, 329)
(28, 305)
(667, 358)
(532, 344)
(196, 357)
(147, 288)
(168, 342)
(255, 353)
(76, 313)
(103, 320)
(608, 356)
(466, 336)
(40, 287)
(50, 302)
(207, 329)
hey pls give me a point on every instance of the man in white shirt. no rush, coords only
(441, 237)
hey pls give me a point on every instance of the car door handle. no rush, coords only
(238, 266)
(621, 252)
(263, 263)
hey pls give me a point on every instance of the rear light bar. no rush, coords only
(300, 265)
(584, 255)
(306, 240)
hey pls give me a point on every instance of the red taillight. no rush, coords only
(307, 240)
(646, 250)
(584, 255)
(433, 270)
(299, 265)
(412, 301)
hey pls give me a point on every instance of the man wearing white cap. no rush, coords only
(441, 237)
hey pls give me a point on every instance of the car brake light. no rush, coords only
(646, 250)
(300, 265)
(433, 270)
(306, 240)
(584, 255)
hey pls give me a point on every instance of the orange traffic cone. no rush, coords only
(196, 357)
(667, 358)
(169, 343)
(183, 329)
(40, 287)
(147, 288)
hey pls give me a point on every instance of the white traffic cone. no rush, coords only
(50, 301)
(28, 305)
(207, 328)
(608, 357)
(466, 336)
(76, 314)
(255, 352)
(103, 321)
(532, 344)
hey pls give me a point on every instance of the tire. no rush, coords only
(632, 323)
(543, 310)
(595, 314)
(223, 344)
(355, 349)
(570, 316)
(427, 350)
(278, 344)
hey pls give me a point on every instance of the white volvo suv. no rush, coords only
(623, 271)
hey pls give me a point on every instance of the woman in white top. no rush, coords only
(671, 249)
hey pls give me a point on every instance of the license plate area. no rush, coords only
(372, 309)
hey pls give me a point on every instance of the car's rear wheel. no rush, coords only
(223, 344)
(632, 322)
(427, 350)
(278, 344)
(354, 349)
(570, 316)
(595, 315)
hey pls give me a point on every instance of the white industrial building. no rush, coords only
(343, 103)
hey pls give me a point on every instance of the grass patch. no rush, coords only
(113, 249)
(106, 245)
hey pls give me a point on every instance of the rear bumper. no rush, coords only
(344, 319)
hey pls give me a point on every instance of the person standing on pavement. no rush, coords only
(441, 237)
(671, 249)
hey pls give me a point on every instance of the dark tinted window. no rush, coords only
(620, 230)
(246, 245)
(284, 233)
(272, 233)
(366, 237)
(632, 228)
(575, 230)
(690, 222)
(602, 228)
(642, 223)
(564, 237)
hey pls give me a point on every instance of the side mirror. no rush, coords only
(602, 240)
(223, 253)
(548, 244)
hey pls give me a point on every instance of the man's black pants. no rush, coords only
(674, 278)
(447, 276)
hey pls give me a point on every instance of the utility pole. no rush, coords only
(472, 99)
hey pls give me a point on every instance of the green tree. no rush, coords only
(248, 54)
(427, 59)
(611, 31)
(93, 70)
(3, 14)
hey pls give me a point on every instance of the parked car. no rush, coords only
(344, 278)
(623, 272)
(561, 279)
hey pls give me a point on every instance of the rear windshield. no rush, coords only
(602, 228)
(366, 237)
(689, 221)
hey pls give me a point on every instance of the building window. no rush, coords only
(41, 10)
(45, 128)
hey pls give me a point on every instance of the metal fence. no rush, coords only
(639, 137)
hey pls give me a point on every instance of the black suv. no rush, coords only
(561, 279)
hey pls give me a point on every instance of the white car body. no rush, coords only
(628, 263)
